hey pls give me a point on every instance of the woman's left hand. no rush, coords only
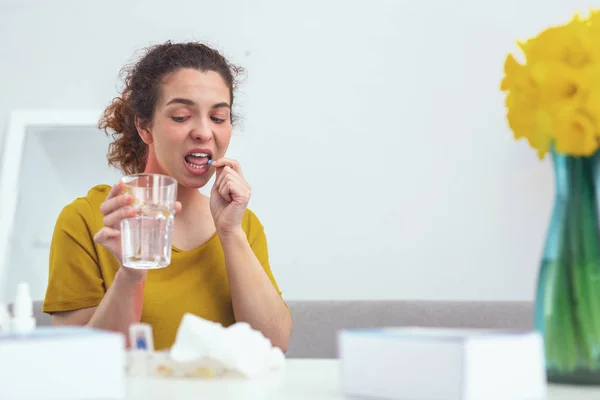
(229, 196)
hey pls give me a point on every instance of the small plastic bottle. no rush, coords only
(4, 318)
(23, 321)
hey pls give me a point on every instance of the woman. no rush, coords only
(174, 114)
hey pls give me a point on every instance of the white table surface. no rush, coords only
(300, 379)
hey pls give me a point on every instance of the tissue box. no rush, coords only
(64, 363)
(442, 364)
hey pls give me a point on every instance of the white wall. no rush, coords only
(374, 132)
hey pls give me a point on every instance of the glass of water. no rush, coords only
(146, 238)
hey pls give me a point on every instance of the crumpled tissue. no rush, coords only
(237, 347)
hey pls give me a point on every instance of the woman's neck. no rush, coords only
(193, 202)
(187, 196)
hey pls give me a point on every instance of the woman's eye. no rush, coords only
(179, 119)
(217, 120)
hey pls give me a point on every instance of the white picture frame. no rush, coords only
(20, 122)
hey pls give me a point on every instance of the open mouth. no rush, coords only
(197, 160)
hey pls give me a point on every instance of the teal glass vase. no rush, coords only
(567, 304)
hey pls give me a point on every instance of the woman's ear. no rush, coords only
(143, 130)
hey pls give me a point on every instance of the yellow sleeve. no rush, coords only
(75, 280)
(258, 243)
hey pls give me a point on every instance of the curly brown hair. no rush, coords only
(141, 92)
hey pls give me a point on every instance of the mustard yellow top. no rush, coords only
(196, 281)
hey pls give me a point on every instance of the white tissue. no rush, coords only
(238, 347)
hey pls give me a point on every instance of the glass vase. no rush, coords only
(567, 309)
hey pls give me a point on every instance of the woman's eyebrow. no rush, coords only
(180, 100)
(221, 105)
(188, 102)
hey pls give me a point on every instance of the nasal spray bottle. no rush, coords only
(23, 321)
(4, 318)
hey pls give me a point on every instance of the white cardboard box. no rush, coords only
(442, 364)
(64, 363)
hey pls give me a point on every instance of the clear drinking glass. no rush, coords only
(146, 238)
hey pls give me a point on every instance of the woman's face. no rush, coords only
(191, 125)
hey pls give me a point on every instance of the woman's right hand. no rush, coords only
(115, 207)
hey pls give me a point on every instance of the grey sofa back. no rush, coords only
(316, 323)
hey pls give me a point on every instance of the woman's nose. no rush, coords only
(202, 131)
